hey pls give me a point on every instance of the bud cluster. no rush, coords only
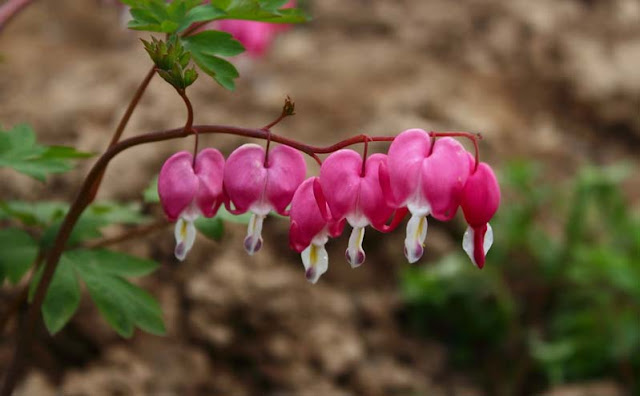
(418, 175)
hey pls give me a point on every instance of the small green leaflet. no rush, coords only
(17, 253)
(159, 15)
(206, 47)
(19, 150)
(123, 304)
(260, 10)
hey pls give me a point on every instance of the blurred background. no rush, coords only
(554, 87)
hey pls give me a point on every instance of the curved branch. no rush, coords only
(83, 199)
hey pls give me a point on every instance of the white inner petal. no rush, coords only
(185, 234)
(316, 261)
(467, 242)
(488, 239)
(253, 240)
(419, 206)
(355, 254)
(416, 235)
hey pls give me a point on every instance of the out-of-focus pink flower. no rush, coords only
(311, 227)
(427, 179)
(256, 37)
(355, 196)
(259, 187)
(480, 201)
(188, 190)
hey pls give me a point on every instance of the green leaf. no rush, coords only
(221, 70)
(201, 13)
(33, 214)
(17, 253)
(123, 305)
(212, 228)
(96, 217)
(162, 16)
(19, 150)
(226, 216)
(114, 263)
(150, 194)
(260, 10)
(213, 42)
(63, 296)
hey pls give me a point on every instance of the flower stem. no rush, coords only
(125, 120)
(189, 124)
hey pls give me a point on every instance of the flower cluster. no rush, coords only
(418, 175)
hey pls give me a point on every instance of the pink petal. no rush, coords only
(405, 158)
(245, 176)
(306, 219)
(177, 184)
(372, 201)
(481, 196)
(444, 174)
(286, 170)
(340, 181)
(209, 169)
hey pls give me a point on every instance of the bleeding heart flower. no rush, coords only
(355, 196)
(255, 36)
(311, 227)
(480, 201)
(188, 189)
(427, 179)
(259, 187)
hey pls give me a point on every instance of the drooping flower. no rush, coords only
(188, 189)
(426, 178)
(259, 187)
(355, 196)
(311, 227)
(480, 201)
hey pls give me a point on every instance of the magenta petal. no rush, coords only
(209, 169)
(444, 174)
(245, 176)
(340, 181)
(177, 184)
(372, 201)
(286, 170)
(481, 196)
(406, 155)
(306, 219)
(254, 36)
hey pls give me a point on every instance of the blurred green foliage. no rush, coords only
(559, 298)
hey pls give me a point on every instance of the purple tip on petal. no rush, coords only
(356, 259)
(416, 253)
(252, 244)
(310, 274)
(180, 251)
